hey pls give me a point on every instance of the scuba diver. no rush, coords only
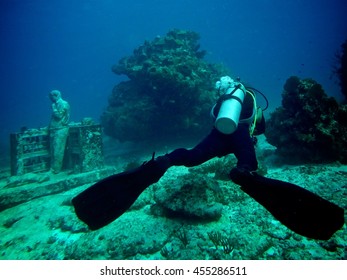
(237, 120)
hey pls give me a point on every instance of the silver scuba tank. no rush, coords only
(230, 110)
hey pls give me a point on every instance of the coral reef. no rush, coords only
(341, 69)
(309, 126)
(169, 94)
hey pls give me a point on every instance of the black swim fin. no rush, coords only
(109, 198)
(295, 207)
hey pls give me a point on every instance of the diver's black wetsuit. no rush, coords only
(217, 144)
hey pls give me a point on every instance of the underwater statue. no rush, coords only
(58, 129)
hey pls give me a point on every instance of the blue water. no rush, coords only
(71, 45)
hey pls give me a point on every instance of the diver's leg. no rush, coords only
(182, 156)
(244, 151)
(208, 148)
(243, 148)
(58, 144)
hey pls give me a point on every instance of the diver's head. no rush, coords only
(55, 95)
(224, 84)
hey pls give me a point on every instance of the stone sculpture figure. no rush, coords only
(58, 129)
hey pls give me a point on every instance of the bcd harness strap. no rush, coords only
(254, 115)
(227, 96)
(224, 97)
